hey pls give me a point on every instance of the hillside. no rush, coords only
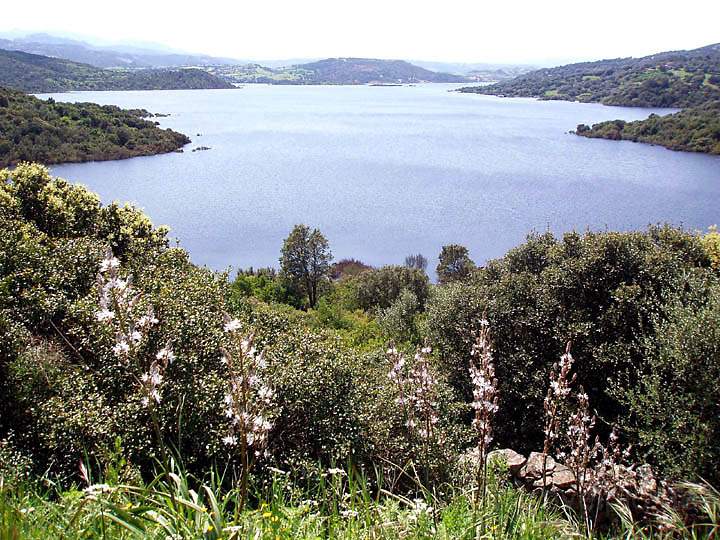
(337, 71)
(40, 74)
(45, 131)
(106, 57)
(669, 79)
(696, 129)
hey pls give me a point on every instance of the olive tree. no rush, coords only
(306, 259)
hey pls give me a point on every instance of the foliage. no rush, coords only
(602, 291)
(45, 131)
(398, 321)
(347, 268)
(37, 74)
(265, 284)
(340, 505)
(675, 407)
(378, 289)
(669, 79)
(696, 129)
(305, 260)
(455, 264)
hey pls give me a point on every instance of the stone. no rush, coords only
(513, 460)
(534, 467)
(563, 477)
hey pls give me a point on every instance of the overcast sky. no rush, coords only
(520, 31)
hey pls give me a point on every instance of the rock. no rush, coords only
(514, 460)
(200, 148)
(563, 477)
(534, 467)
(647, 484)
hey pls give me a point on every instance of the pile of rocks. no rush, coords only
(635, 487)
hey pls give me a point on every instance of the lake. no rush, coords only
(388, 171)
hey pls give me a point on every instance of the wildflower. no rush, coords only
(335, 471)
(230, 324)
(121, 348)
(230, 440)
(248, 400)
(558, 390)
(109, 263)
(165, 354)
(485, 399)
(104, 315)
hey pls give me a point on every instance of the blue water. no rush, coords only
(389, 171)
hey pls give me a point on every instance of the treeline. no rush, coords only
(41, 74)
(670, 79)
(696, 129)
(51, 132)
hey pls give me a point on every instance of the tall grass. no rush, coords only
(340, 505)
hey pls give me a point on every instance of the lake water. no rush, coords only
(389, 171)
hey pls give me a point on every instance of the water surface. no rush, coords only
(389, 171)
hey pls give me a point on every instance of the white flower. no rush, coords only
(121, 348)
(109, 263)
(230, 440)
(104, 315)
(232, 325)
(334, 471)
(166, 354)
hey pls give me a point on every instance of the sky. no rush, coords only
(498, 31)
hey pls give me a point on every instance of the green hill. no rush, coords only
(337, 71)
(39, 74)
(696, 129)
(35, 130)
(669, 79)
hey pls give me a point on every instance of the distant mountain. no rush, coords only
(39, 74)
(45, 131)
(669, 79)
(337, 71)
(108, 56)
(494, 72)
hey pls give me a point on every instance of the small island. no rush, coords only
(52, 132)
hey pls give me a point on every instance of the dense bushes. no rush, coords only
(642, 310)
(69, 394)
(605, 292)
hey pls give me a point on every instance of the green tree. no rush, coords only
(306, 259)
(455, 264)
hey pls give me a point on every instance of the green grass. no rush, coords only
(340, 505)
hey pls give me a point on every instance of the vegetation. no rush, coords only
(205, 407)
(41, 74)
(670, 79)
(696, 129)
(50, 132)
(305, 260)
(336, 71)
(455, 264)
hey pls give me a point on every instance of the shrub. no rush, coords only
(378, 289)
(602, 291)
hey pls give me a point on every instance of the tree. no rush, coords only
(455, 264)
(305, 260)
(416, 261)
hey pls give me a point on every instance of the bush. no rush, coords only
(602, 291)
(378, 289)
(675, 407)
